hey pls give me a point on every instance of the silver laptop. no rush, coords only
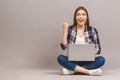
(81, 52)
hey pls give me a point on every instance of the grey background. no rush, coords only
(30, 31)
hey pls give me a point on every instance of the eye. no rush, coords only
(78, 14)
(84, 14)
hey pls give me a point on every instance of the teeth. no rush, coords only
(81, 20)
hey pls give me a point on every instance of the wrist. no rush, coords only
(65, 31)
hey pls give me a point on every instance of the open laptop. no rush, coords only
(81, 52)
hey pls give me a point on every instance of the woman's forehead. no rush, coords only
(81, 11)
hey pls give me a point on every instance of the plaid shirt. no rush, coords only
(91, 37)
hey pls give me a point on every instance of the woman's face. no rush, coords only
(81, 17)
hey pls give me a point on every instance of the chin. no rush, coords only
(81, 24)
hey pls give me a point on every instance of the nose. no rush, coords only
(80, 16)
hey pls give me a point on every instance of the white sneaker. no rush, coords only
(67, 71)
(95, 72)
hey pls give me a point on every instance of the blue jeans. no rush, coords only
(63, 60)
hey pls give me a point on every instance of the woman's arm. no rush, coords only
(97, 42)
(64, 36)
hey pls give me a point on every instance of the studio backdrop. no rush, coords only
(30, 31)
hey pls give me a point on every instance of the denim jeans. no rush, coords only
(63, 60)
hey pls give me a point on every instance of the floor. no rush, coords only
(38, 74)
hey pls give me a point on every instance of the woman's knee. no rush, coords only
(100, 60)
(61, 58)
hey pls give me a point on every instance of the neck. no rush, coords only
(80, 26)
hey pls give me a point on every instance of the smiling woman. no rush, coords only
(81, 17)
(81, 33)
(81, 14)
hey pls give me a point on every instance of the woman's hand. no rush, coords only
(65, 26)
(65, 32)
(96, 52)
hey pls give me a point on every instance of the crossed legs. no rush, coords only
(86, 68)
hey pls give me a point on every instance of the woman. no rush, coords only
(81, 33)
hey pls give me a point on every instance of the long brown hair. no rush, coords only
(80, 8)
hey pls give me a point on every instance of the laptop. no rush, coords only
(81, 52)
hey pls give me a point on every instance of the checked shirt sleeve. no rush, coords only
(96, 41)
